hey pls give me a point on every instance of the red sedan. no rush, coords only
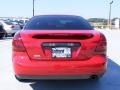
(58, 47)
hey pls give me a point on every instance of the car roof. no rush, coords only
(72, 16)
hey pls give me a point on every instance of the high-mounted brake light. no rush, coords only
(17, 43)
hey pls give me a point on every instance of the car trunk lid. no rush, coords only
(60, 44)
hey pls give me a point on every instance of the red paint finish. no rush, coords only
(95, 65)
(30, 57)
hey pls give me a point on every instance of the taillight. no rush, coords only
(17, 43)
(102, 45)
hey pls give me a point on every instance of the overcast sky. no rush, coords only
(85, 8)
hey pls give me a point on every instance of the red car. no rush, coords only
(58, 47)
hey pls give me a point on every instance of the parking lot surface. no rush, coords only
(110, 81)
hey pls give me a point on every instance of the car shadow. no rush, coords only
(110, 81)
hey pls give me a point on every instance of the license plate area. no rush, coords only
(61, 52)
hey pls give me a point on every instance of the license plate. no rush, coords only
(61, 52)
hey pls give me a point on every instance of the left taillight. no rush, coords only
(17, 43)
(102, 44)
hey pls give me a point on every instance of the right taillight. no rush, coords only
(102, 44)
(17, 43)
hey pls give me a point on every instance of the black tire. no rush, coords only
(2, 36)
(23, 80)
(19, 79)
(95, 77)
(6, 34)
(13, 34)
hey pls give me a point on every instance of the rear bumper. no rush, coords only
(47, 77)
(31, 69)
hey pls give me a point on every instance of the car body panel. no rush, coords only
(40, 53)
(36, 48)
(24, 66)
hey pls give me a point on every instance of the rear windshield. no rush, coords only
(57, 23)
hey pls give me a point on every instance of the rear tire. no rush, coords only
(13, 34)
(95, 77)
(2, 36)
(19, 79)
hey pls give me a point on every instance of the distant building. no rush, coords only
(117, 23)
(99, 25)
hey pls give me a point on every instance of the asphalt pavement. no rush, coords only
(110, 81)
